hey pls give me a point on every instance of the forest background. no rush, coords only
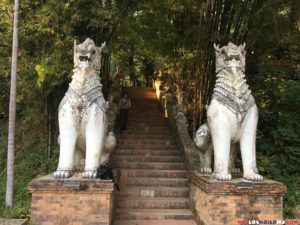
(143, 37)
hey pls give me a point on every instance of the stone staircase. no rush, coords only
(154, 184)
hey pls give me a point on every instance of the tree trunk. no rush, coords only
(12, 112)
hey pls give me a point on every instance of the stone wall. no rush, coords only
(232, 202)
(179, 125)
(73, 201)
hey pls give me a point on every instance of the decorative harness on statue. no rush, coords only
(80, 99)
(237, 98)
(233, 94)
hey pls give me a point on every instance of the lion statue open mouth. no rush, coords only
(82, 116)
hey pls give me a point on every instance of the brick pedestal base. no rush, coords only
(73, 201)
(233, 202)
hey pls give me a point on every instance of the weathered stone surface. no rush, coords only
(71, 201)
(219, 203)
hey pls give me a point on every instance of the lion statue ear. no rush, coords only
(243, 56)
(218, 49)
(242, 48)
(102, 46)
(75, 59)
(97, 57)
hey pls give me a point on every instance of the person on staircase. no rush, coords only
(124, 106)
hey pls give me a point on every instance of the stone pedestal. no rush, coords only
(73, 201)
(233, 202)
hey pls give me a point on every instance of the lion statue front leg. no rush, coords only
(95, 136)
(248, 146)
(220, 127)
(68, 136)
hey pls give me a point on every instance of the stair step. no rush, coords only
(144, 141)
(147, 152)
(153, 203)
(151, 114)
(144, 126)
(149, 165)
(148, 191)
(141, 105)
(130, 158)
(146, 135)
(145, 110)
(154, 214)
(147, 146)
(167, 182)
(146, 123)
(154, 173)
(154, 222)
(148, 119)
(138, 127)
(147, 131)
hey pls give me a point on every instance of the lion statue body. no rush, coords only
(82, 116)
(232, 114)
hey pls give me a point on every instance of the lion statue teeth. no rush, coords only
(232, 114)
(82, 116)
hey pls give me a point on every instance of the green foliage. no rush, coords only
(5, 37)
(30, 162)
(276, 89)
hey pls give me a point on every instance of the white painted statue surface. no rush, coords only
(204, 143)
(82, 115)
(232, 114)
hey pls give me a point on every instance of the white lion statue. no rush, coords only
(232, 114)
(82, 116)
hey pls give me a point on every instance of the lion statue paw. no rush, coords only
(253, 177)
(235, 170)
(222, 176)
(205, 170)
(62, 174)
(89, 174)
